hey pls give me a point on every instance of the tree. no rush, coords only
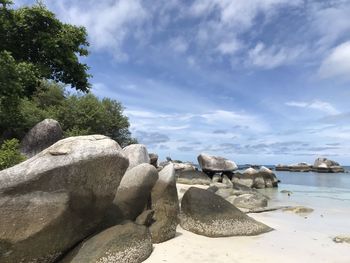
(13, 78)
(35, 36)
(10, 154)
(82, 115)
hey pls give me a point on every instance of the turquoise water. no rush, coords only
(315, 189)
(332, 180)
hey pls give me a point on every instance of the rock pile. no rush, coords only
(84, 199)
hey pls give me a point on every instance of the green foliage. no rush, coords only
(9, 154)
(77, 114)
(82, 115)
(37, 51)
(13, 78)
(35, 36)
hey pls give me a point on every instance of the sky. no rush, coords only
(255, 81)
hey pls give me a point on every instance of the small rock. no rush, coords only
(301, 210)
(342, 239)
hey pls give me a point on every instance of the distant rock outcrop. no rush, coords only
(192, 177)
(324, 165)
(321, 165)
(214, 164)
(41, 136)
(264, 178)
(58, 197)
(205, 213)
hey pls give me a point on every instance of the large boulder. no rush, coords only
(262, 178)
(165, 204)
(271, 179)
(58, 197)
(214, 164)
(137, 154)
(122, 243)
(300, 167)
(41, 136)
(205, 213)
(184, 166)
(134, 191)
(193, 177)
(326, 161)
(324, 165)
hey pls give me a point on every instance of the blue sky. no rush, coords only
(257, 81)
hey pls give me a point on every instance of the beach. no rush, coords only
(296, 238)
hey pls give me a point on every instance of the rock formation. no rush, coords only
(41, 136)
(165, 204)
(122, 243)
(205, 213)
(58, 197)
(137, 154)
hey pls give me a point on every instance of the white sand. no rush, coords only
(295, 239)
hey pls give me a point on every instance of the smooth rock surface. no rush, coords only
(58, 197)
(129, 243)
(214, 164)
(165, 204)
(250, 201)
(205, 213)
(134, 191)
(137, 154)
(192, 177)
(40, 137)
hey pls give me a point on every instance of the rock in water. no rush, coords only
(205, 213)
(137, 154)
(299, 210)
(122, 243)
(58, 197)
(165, 204)
(342, 239)
(215, 164)
(192, 177)
(134, 191)
(250, 201)
(41, 136)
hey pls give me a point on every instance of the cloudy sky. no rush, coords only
(257, 81)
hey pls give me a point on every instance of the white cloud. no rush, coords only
(330, 22)
(323, 106)
(229, 47)
(239, 14)
(272, 57)
(231, 118)
(109, 23)
(337, 63)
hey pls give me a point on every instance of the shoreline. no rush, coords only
(296, 238)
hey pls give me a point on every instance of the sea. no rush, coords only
(314, 189)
